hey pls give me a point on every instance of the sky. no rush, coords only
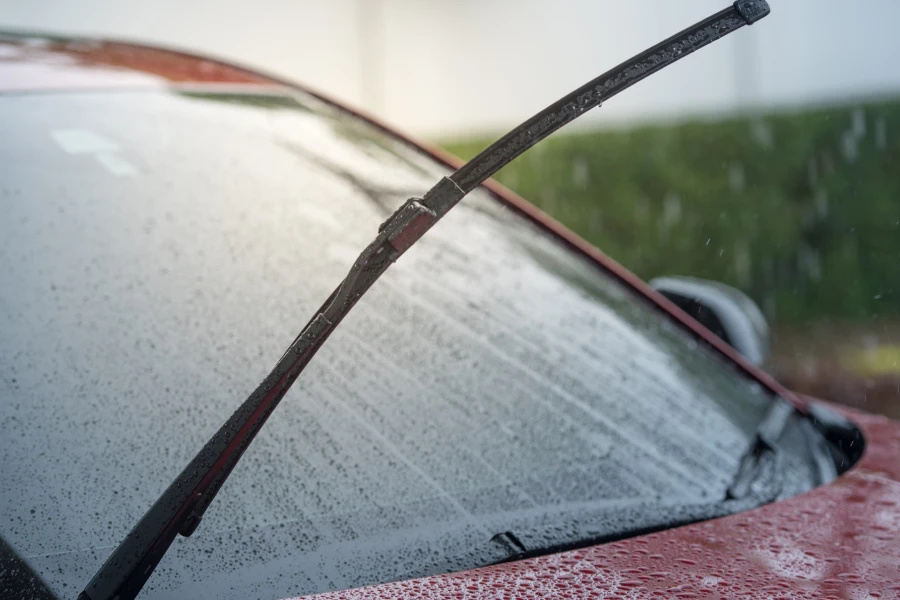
(452, 68)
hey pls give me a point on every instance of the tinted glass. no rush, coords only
(158, 252)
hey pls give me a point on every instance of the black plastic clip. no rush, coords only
(407, 224)
(752, 10)
(190, 523)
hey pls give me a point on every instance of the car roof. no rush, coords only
(39, 62)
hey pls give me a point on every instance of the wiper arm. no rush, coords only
(181, 507)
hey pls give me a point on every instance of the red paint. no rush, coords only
(38, 64)
(840, 540)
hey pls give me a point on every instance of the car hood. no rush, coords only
(840, 540)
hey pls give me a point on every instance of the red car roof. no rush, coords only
(35, 63)
(840, 540)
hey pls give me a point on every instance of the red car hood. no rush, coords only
(840, 540)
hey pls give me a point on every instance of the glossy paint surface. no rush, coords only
(34, 63)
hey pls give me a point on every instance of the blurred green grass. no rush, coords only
(799, 209)
(881, 360)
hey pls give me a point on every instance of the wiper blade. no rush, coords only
(759, 480)
(604, 524)
(181, 507)
(763, 448)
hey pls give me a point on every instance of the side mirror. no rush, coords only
(722, 309)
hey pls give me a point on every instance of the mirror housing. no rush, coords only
(724, 310)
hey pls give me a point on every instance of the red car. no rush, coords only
(507, 414)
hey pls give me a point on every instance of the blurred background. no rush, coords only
(769, 161)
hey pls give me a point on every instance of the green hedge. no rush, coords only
(801, 210)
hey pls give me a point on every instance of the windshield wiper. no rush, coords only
(763, 448)
(758, 480)
(181, 507)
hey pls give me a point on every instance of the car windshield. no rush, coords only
(159, 250)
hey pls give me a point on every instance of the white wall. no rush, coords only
(444, 67)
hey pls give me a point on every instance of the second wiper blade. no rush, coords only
(763, 446)
(758, 480)
(181, 507)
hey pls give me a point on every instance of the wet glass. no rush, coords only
(160, 249)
